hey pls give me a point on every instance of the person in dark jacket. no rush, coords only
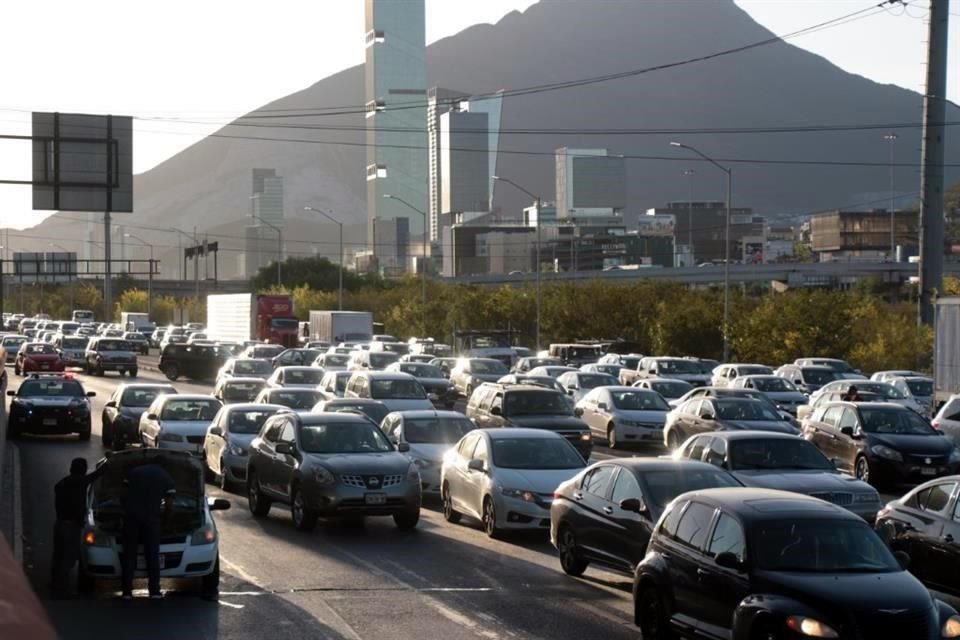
(150, 493)
(70, 500)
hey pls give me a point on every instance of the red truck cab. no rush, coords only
(275, 321)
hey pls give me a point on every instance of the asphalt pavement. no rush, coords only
(342, 581)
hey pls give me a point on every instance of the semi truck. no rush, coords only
(946, 349)
(341, 326)
(239, 317)
(136, 322)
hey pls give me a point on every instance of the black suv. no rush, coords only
(110, 354)
(504, 405)
(50, 403)
(194, 361)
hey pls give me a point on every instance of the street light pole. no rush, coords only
(150, 274)
(196, 244)
(536, 209)
(279, 245)
(340, 225)
(726, 247)
(892, 139)
(423, 270)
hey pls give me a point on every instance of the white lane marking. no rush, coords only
(457, 589)
(230, 604)
(242, 573)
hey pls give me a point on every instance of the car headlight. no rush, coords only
(955, 456)
(166, 436)
(585, 437)
(883, 451)
(206, 535)
(866, 498)
(951, 628)
(811, 627)
(237, 450)
(323, 476)
(520, 494)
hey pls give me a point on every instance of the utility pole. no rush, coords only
(892, 139)
(931, 207)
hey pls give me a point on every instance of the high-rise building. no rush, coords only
(589, 182)
(267, 196)
(396, 101)
(266, 207)
(439, 101)
(464, 162)
(492, 105)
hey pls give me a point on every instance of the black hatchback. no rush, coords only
(759, 563)
(194, 361)
(605, 513)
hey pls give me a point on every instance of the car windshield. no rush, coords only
(343, 437)
(743, 409)
(665, 485)
(51, 387)
(397, 389)
(435, 430)
(382, 359)
(902, 422)
(609, 369)
(396, 347)
(142, 397)
(541, 381)
(134, 337)
(534, 403)
(881, 389)
(679, 367)
(837, 365)
(630, 362)
(819, 376)
(773, 384)
(820, 546)
(40, 349)
(14, 341)
(242, 391)
(268, 351)
(581, 353)
(671, 389)
(776, 453)
(113, 345)
(535, 453)
(335, 360)
(177, 409)
(252, 366)
(247, 422)
(419, 370)
(638, 400)
(487, 366)
(593, 380)
(376, 411)
(921, 387)
(754, 370)
(73, 343)
(303, 376)
(294, 398)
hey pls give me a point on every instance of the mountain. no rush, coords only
(778, 85)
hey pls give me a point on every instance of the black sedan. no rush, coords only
(758, 563)
(120, 419)
(50, 404)
(606, 512)
(925, 523)
(704, 414)
(881, 442)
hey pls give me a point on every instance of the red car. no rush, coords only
(37, 357)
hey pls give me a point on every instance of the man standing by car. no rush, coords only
(70, 501)
(148, 486)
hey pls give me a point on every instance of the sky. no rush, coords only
(213, 60)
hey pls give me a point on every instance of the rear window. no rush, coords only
(241, 391)
(248, 422)
(187, 409)
(436, 430)
(113, 345)
(50, 387)
(396, 390)
(303, 376)
(521, 403)
(142, 397)
(252, 366)
(73, 343)
(295, 398)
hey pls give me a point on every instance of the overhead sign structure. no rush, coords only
(82, 162)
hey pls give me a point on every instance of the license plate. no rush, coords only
(375, 498)
(928, 471)
(44, 366)
(49, 422)
(142, 562)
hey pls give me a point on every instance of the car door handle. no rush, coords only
(578, 496)
(702, 573)
(608, 510)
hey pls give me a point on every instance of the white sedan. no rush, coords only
(295, 377)
(178, 422)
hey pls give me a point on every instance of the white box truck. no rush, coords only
(238, 317)
(137, 322)
(341, 326)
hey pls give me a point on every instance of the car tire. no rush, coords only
(651, 615)
(106, 434)
(133, 373)
(85, 434)
(304, 518)
(612, 436)
(468, 391)
(210, 583)
(450, 514)
(673, 440)
(571, 561)
(172, 371)
(16, 370)
(259, 503)
(223, 478)
(12, 432)
(489, 518)
(99, 371)
(85, 582)
(406, 520)
(861, 469)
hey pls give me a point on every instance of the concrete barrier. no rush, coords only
(21, 615)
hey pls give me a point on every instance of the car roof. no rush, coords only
(519, 386)
(386, 375)
(514, 433)
(253, 406)
(869, 405)
(241, 379)
(289, 390)
(293, 367)
(189, 396)
(146, 385)
(349, 401)
(620, 387)
(333, 416)
(427, 413)
(750, 435)
(652, 464)
(754, 504)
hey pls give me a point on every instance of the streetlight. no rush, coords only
(536, 206)
(726, 246)
(339, 224)
(892, 139)
(196, 243)
(279, 244)
(423, 271)
(150, 274)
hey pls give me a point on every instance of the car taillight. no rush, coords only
(936, 424)
(884, 512)
(557, 495)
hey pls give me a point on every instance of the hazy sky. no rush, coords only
(214, 59)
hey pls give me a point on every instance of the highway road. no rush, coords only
(370, 581)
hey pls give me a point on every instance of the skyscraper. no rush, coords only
(590, 183)
(439, 101)
(396, 101)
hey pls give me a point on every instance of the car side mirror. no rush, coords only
(602, 406)
(903, 559)
(475, 465)
(110, 405)
(729, 560)
(91, 394)
(571, 391)
(634, 505)
(403, 447)
(284, 448)
(835, 462)
(215, 431)
(496, 411)
(578, 411)
(218, 504)
(152, 416)
(11, 393)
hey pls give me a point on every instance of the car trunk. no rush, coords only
(108, 491)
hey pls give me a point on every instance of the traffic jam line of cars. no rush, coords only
(762, 520)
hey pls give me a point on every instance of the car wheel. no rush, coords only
(612, 436)
(133, 373)
(85, 582)
(862, 469)
(87, 369)
(651, 615)
(224, 480)
(406, 520)
(12, 432)
(490, 518)
(16, 370)
(172, 371)
(100, 372)
(570, 560)
(304, 519)
(85, 434)
(673, 440)
(449, 513)
(259, 503)
(210, 583)
(468, 391)
(106, 435)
